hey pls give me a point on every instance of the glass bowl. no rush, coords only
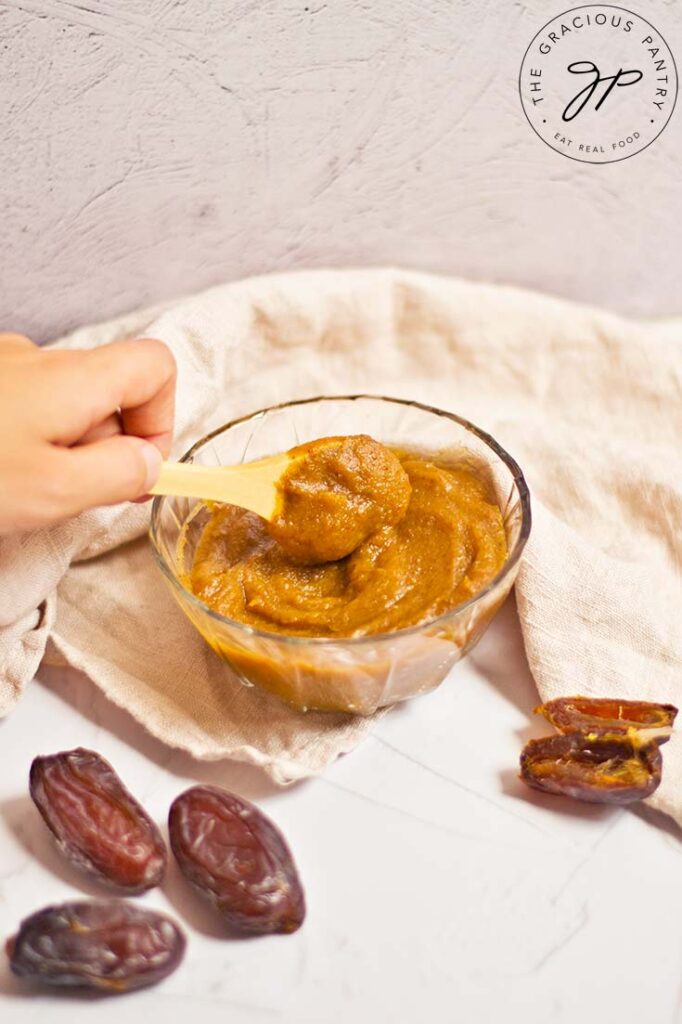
(357, 674)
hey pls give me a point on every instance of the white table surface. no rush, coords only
(439, 889)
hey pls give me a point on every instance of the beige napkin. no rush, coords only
(590, 405)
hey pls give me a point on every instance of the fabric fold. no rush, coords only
(589, 404)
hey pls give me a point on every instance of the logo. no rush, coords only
(598, 83)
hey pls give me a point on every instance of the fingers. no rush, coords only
(49, 483)
(145, 373)
(71, 417)
(118, 468)
(107, 428)
(81, 390)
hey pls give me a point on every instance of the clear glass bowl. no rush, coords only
(358, 674)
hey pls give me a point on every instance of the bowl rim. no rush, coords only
(300, 641)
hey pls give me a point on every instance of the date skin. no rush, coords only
(597, 767)
(112, 946)
(237, 859)
(97, 824)
(576, 714)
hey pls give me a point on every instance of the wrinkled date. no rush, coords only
(581, 714)
(238, 859)
(610, 768)
(96, 822)
(112, 946)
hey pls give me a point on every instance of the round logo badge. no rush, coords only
(598, 83)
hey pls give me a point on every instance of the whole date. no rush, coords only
(238, 859)
(96, 822)
(112, 946)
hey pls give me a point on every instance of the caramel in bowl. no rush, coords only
(385, 622)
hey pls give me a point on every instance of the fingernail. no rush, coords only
(152, 457)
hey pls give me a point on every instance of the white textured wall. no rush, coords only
(151, 147)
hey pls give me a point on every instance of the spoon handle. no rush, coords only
(252, 486)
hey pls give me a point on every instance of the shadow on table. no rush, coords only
(659, 820)
(24, 821)
(501, 659)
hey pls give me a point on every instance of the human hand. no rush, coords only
(80, 428)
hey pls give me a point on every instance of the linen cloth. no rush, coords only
(588, 403)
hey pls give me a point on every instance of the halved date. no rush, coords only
(112, 946)
(582, 714)
(238, 859)
(610, 768)
(97, 823)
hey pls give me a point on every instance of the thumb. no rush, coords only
(120, 468)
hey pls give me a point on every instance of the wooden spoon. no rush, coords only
(252, 486)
